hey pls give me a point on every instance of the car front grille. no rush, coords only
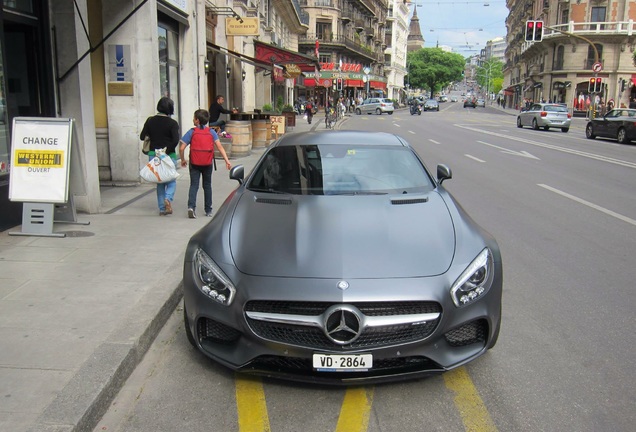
(315, 337)
(212, 331)
(473, 332)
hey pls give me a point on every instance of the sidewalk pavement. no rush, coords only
(78, 313)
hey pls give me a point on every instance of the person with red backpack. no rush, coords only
(201, 140)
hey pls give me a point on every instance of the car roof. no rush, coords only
(340, 137)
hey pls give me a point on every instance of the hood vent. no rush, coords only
(274, 201)
(409, 201)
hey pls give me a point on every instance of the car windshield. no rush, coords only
(340, 169)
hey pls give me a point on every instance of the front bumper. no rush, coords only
(231, 337)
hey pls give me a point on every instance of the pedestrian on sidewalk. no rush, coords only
(216, 109)
(309, 111)
(163, 132)
(201, 140)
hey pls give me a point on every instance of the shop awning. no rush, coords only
(377, 84)
(242, 57)
(273, 54)
(634, 79)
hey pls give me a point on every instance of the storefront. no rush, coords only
(25, 84)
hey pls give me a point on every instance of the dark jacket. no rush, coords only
(216, 109)
(163, 132)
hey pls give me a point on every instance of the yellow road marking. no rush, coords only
(251, 406)
(356, 409)
(471, 408)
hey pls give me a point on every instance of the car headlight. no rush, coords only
(475, 281)
(212, 281)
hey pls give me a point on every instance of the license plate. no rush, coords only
(343, 362)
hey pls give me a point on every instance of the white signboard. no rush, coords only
(40, 157)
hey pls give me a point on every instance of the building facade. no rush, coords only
(582, 39)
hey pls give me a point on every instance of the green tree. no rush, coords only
(490, 75)
(433, 69)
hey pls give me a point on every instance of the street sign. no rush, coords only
(597, 67)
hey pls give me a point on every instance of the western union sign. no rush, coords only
(39, 158)
(249, 27)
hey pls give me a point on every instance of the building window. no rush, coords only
(323, 31)
(169, 64)
(565, 16)
(591, 55)
(597, 15)
(558, 61)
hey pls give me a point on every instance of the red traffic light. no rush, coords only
(599, 85)
(538, 31)
(529, 30)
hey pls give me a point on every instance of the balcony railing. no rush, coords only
(627, 28)
(354, 45)
(318, 3)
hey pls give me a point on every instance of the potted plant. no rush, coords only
(290, 115)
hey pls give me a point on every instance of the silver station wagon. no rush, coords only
(545, 115)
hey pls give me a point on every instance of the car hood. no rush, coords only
(342, 236)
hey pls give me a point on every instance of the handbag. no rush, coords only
(159, 169)
(146, 147)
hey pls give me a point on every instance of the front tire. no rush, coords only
(589, 131)
(565, 130)
(621, 136)
(186, 323)
(358, 111)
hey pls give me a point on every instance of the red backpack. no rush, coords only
(201, 147)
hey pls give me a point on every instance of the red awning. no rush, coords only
(355, 83)
(377, 84)
(634, 79)
(276, 55)
(323, 82)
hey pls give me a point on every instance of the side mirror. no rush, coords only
(443, 173)
(237, 173)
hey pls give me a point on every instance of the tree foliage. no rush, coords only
(490, 75)
(433, 69)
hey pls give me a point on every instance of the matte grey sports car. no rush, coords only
(341, 259)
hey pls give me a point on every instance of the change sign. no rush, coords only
(40, 155)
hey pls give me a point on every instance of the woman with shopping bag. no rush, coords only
(163, 132)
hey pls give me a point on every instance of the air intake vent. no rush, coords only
(409, 201)
(274, 201)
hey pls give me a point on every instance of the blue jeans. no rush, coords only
(197, 172)
(165, 191)
(220, 123)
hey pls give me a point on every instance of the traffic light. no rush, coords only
(591, 85)
(339, 84)
(529, 30)
(534, 31)
(623, 85)
(598, 85)
(538, 31)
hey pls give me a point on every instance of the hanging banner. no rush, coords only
(40, 155)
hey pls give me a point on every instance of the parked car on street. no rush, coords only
(619, 124)
(431, 105)
(375, 105)
(545, 115)
(293, 279)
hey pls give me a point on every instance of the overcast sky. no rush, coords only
(457, 23)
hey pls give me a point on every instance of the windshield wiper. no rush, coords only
(269, 190)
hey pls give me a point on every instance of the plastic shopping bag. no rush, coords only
(305, 117)
(160, 169)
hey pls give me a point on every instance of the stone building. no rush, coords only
(582, 39)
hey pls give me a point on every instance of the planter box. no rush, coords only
(290, 119)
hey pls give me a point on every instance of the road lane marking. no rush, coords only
(553, 147)
(433, 141)
(251, 405)
(474, 158)
(356, 409)
(589, 204)
(522, 153)
(467, 400)
(411, 132)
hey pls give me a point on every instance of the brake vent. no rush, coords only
(409, 201)
(274, 201)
